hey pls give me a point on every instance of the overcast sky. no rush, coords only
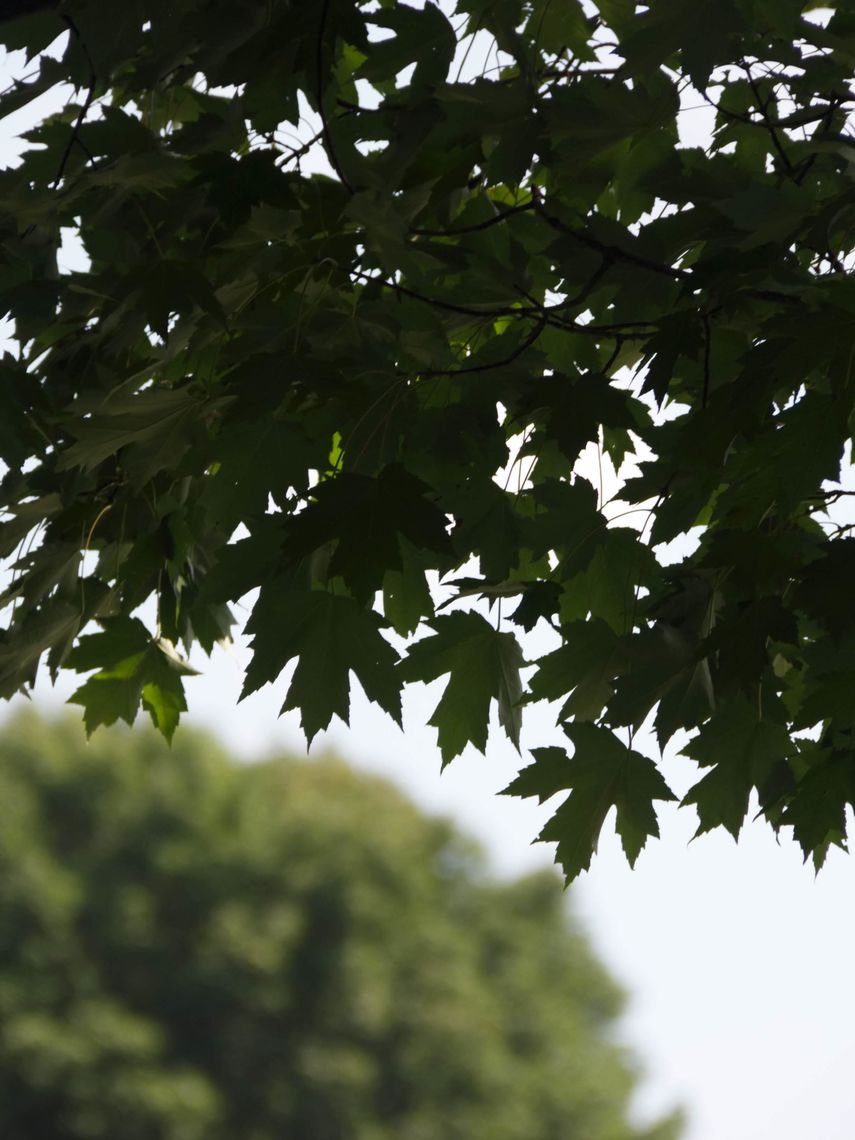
(739, 962)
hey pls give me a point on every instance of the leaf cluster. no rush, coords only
(340, 369)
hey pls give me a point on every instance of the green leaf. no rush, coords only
(486, 523)
(483, 666)
(609, 588)
(173, 286)
(255, 461)
(562, 517)
(157, 423)
(618, 14)
(601, 774)
(545, 778)
(561, 27)
(331, 636)
(585, 666)
(816, 810)
(139, 670)
(119, 638)
(33, 30)
(47, 629)
(667, 666)
(825, 590)
(365, 518)
(406, 595)
(702, 30)
(742, 751)
(422, 34)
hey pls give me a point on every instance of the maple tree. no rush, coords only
(367, 390)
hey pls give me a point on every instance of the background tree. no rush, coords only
(191, 948)
(339, 388)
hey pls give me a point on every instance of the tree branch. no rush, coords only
(615, 252)
(622, 330)
(477, 226)
(509, 359)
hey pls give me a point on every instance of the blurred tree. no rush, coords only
(192, 949)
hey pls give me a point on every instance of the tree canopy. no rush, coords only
(364, 293)
(196, 950)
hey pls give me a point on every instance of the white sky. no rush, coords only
(738, 961)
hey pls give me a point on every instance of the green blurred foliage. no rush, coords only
(195, 949)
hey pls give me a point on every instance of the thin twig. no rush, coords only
(327, 135)
(834, 105)
(636, 329)
(767, 122)
(831, 496)
(586, 290)
(477, 226)
(354, 108)
(448, 306)
(622, 330)
(74, 137)
(509, 359)
(298, 152)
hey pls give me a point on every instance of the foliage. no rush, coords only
(191, 948)
(341, 389)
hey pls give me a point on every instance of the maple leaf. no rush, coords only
(137, 669)
(584, 666)
(483, 666)
(816, 807)
(742, 751)
(332, 636)
(601, 774)
(406, 594)
(365, 519)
